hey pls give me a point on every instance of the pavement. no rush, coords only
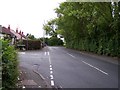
(26, 80)
(59, 67)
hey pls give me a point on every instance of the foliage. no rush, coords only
(53, 41)
(32, 37)
(51, 28)
(9, 66)
(89, 26)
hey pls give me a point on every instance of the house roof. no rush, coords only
(12, 33)
(7, 31)
(23, 35)
(16, 34)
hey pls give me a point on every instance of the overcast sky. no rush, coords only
(27, 15)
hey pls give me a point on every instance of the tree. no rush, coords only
(89, 26)
(32, 37)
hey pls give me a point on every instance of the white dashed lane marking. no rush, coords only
(51, 76)
(95, 68)
(52, 83)
(50, 66)
(71, 55)
(51, 72)
(90, 65)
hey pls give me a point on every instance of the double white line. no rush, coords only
(47, 53)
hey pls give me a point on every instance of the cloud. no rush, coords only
(27, 15)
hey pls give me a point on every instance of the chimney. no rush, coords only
(16, 30)
(22, 33)
(8, 27)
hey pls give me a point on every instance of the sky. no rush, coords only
(27, 15)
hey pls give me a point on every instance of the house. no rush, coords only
(8, 33)
(1, 35)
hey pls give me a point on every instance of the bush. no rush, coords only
(9, 66)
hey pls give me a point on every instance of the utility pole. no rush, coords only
(27, 40)
(44, 32)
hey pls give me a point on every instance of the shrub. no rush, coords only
(9, 66)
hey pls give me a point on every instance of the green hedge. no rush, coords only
(32, 44)
(9, 66)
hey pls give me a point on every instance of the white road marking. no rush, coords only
(48, 53)
(49, 59)
(51, 72)
(50, 68)
(45, 53)
(23, 87)
(60, 86)
(52, 83)
(71, 55)
(51, 76)
(39, 86)
(21, 52)
(95, 67)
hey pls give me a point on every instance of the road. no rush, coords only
(66, 68)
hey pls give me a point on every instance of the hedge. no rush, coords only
(9, 66)
(32, 44)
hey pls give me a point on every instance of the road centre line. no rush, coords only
(50, 68)
(49, 59)
(71, 55)
(51, 72)
(95, 67)
(51, 76)
(52, 83)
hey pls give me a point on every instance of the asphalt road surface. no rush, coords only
(66, 68)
